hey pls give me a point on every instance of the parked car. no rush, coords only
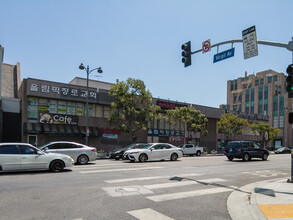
(118, 153)
(245, 150)
(283, 150)
(21, 156)
(191, 149)
(81, 154)
(154, 151)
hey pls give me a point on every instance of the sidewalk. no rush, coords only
(270, 199)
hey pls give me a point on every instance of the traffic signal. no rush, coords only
(186, 54)
(291, 118)
(289, 81)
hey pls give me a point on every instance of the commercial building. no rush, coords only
(10, 120)
(263, 95)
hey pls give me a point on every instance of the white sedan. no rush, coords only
(156, 151)
(21, 156)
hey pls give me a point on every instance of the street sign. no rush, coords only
(206, 46)
(249, 42)
(224, 55)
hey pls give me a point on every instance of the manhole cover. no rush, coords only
(126, 190)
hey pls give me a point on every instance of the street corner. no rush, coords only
(277, 211)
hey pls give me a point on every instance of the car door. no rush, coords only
(189, 149)
(68, 149)
(10, 157)
(167, 151)
(30, 159)
(156, 152)
(258, 151)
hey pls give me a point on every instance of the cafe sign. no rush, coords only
(46, 118)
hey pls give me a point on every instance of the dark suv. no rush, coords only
(245, 150)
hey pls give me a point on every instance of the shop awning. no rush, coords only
(32, 128)
(59, 129)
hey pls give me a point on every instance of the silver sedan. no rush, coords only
(81, 154)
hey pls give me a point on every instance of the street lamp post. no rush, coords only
(88, 71)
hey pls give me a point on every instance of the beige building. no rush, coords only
(263, 94)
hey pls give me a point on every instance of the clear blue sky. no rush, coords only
(142, 39)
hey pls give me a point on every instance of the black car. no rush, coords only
(118, 153)
(283, 150)
(245, 150)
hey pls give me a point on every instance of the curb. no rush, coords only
(241, 203)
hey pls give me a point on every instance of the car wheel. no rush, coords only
(246, 157)
(264, 157)
(117, 158)
(82, 159)
(230, 158)
(56, 166)
(198, 153)
(174, 157)
(143, 158)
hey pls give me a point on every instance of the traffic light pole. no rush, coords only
(288, 46)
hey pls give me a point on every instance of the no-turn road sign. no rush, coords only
(206, 46)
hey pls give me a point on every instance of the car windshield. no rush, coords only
(147, 146)
(135, 146)
(282, 148)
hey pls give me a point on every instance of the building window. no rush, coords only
(252, 108)
(260, 107)
(247, 107)
(266, 93)
(270, 79)
(99, 111)
(252, 95)
(260, 93)
(235, 98)
(247, 95)
(235, 83)
(232, 85)
(266, 108)
(32, 108)
(256, 82)
(235, 108)
(61, 107)
(79, 109)
(240, 97)
(107, 111)
(275, 78)
(262, 81)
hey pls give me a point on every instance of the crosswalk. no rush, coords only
(154, 188)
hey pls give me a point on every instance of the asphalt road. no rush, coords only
(191, 188)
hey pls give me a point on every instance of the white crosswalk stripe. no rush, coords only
(182, 195)
(182, 183)
(146, 214)
(149, 178)
(121, 169)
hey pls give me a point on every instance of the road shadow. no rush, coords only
(177, 178)
(32, 172)
(269, 192)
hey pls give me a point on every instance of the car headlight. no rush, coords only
(136, 152)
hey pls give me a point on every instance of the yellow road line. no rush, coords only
(277, 210)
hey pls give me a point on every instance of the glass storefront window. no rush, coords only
(79, 109)
(61, 107)
(32, 108)
(52, 106)
(71, 108)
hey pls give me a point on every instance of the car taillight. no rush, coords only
(94, 150)
(239, 150)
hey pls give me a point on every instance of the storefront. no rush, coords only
(54, 111)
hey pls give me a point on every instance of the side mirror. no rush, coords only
(39, 152)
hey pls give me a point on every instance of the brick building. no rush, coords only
(263, 94)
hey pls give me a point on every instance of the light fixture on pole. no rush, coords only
(88, 71)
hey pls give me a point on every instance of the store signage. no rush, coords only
(110, 131)
(110, 136)
(59, 91)
(46, 118)
(169, 105)
(165, 132)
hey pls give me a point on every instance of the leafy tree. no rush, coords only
(265, 132)
(192, 118)
(230, 125)
(132, 107)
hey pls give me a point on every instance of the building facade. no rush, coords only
(10, 118)
(263, 95)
